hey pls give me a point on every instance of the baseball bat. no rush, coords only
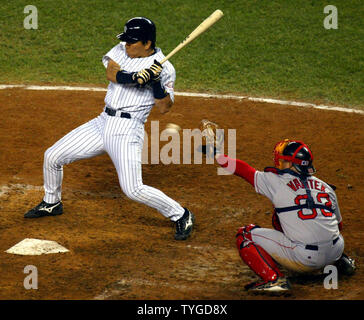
(204, 25)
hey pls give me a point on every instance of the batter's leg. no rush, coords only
(81, 143)
(126, 154)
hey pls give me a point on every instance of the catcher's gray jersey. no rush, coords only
(308, 213)
(288, 193)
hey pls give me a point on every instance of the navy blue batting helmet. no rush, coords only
(138, 29)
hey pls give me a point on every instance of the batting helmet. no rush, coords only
(296, 152)
(139, 29)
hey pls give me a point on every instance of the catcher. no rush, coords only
(306, 218)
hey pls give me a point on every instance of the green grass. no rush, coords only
(277, 49)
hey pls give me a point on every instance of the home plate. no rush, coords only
(35, 247)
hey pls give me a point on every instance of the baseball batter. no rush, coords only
(137, 83)
(306, 218)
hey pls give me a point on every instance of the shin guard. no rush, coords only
(255, 256)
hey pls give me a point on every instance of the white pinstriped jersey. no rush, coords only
(136, 101)
(308, 226)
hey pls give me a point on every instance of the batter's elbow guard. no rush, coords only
(125, 77)
(158, 91)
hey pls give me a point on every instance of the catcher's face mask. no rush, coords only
(296, 152)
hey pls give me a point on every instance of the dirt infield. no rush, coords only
(120, 249)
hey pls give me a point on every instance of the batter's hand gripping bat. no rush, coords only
(207, 23)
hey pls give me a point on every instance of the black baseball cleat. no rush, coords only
(345, 265)
(184, 225)
(45, 209)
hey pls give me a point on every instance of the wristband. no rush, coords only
(124, 77)
(158, 91)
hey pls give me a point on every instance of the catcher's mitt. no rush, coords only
(212, 138)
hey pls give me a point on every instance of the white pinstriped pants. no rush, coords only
(123, 140)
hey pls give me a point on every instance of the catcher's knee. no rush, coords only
(255, 256)
(244, 236)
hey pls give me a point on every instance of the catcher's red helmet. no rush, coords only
(296, 152)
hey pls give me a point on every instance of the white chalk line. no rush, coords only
(20, 187)
(126, 283)
(123, 285)
(197, 95)
(6, 189)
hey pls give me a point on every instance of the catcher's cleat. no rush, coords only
(184, 225)
(345, 265)
(45, 209)
(279, 285)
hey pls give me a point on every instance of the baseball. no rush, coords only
(172, 128)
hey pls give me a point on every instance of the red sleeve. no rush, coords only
(237, 167)
(340, 226)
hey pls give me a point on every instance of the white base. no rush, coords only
(35, 247)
